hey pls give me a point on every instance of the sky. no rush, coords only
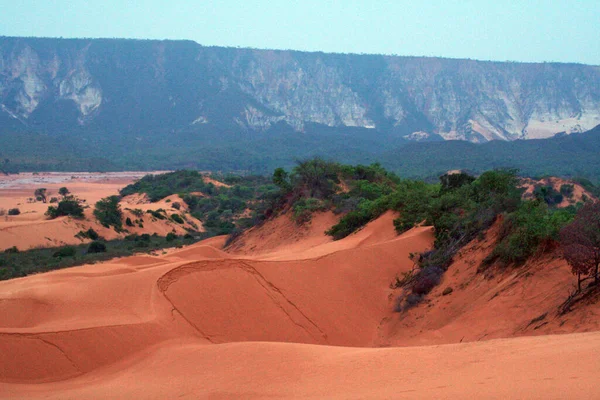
(560, 31)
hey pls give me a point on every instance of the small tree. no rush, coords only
(14, 211)
(68, 206)
(40, 193)
(281, 179)
(108, 212)
(63, 191)
(580, 241)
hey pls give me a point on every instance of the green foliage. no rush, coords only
(67, 206)
(15, 263)
(67, 251)
(108, 212)
(128, 222)
(524, 230)
(14, 211)
(40, 193)
(548, 194)
(281, 180)
(89, 234)
(452, 181)
(304, 208)
(63, 191)
(160, 186)
(315, 178)
(177, 218)
(567, 190)
(96, 247)
(158, 214)
(170, 237)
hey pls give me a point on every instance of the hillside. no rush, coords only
(573, 155)
(130, 104)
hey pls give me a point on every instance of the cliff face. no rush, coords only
(115, 86)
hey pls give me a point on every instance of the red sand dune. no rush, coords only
(32, 228)
(269, 319)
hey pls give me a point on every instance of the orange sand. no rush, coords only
(296, 319)
(32, 228)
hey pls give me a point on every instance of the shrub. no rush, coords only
(304, 208)
(96, 247)
(12, 250)
(426, 279)
(68, 251)
(176, 205)
(89, 234)
(128, 222)
(53, 200)
(108, 212)
(177, 218)
(171, 236)
(580, 241)
(14, 211)
(567, 190)
(66, 207)
(548, 194)
(156, 214)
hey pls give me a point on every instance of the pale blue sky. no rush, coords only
(566, 31)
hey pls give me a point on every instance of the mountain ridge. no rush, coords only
(120, 85)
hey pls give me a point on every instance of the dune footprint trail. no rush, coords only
(58, 326)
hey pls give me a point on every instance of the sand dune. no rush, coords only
(32, 228)
(276, 319)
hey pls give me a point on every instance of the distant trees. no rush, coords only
(40, 194)
(580, 241)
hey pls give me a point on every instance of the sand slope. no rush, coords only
(66, 323)
(274, 320)
(32, 228)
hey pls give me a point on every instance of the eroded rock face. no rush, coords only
(124, 84)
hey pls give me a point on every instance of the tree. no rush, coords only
(40, 193)
(68, 206)
(580, 241)
(63, 191)
(281, 179)
(108, 212)
(316, 177)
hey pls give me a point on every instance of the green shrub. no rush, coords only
(108, 212)
(304, 208)
(177, 218)
(128, 222)
(14, 211)
(12, 250)
(67, 207)
(96, 247)
(68, 251)
(171, 236)
(525, 230)
(89, 234)
(567, 190)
